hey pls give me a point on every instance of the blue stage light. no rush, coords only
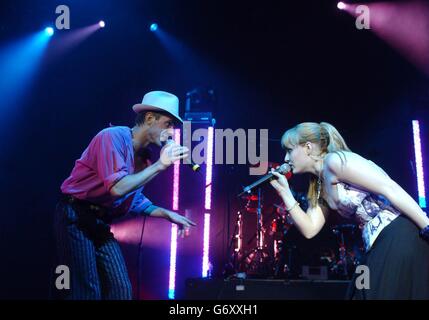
(153, 27)
(49, 31)
(19, 64)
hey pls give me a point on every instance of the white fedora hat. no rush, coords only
(159, 101)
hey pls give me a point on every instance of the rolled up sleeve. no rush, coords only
(111, 164)
(142, 205)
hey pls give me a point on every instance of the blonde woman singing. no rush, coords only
(395, 230)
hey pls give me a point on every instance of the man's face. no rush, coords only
(157, 126)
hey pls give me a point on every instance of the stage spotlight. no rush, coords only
(341, 5)
(102, 24)
(153, 27)
(19, 64)
(49, 31)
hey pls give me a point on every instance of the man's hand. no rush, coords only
(182, 222)
(172, 152)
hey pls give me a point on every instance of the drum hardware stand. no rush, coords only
(282, 260)
(342, 251)
(257, 261)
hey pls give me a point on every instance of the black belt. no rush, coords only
(99, 211)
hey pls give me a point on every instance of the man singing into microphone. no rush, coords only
(105, 183)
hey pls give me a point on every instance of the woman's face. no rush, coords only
(297, 158)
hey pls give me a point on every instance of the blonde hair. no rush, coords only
(325, 135)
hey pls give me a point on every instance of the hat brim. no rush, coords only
(145, 107)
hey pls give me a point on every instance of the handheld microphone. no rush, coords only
(195, 167)
(284, 168)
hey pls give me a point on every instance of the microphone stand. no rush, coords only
(231, 259)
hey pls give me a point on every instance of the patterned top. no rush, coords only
(373, 212)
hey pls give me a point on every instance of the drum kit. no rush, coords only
(277, 254)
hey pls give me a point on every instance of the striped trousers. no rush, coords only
(86, 245)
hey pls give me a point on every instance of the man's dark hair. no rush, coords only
(141, 116)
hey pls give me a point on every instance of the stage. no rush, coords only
(263, 289)
(151, 132)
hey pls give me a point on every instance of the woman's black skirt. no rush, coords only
(398, 265)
